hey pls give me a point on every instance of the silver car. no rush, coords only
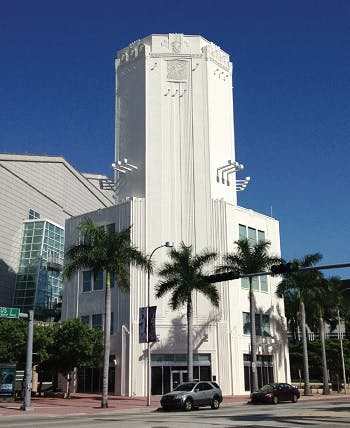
(193, 394)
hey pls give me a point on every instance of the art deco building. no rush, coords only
(174, 121)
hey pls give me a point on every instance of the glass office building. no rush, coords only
(38, 282)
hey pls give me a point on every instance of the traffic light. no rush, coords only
(219, 277)
(285, 268)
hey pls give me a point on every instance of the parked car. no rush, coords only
(276, 392)
(188, 395)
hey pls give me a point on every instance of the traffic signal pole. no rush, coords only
(304, 269)
(275, 270)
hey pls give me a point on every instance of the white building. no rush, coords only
(174, 120)
(37, 194)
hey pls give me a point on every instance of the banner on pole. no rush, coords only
(143, 325)
(152, 336)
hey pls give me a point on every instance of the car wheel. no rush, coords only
(276, 400)
(188, 406)
(215, 404)
(294, 398)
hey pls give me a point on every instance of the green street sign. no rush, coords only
(9, 312)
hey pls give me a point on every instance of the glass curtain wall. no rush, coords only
(38, 282)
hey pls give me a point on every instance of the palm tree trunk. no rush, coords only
(190, 339)
(325, 390)
(107, 341)
(254, 372)
(307, 389)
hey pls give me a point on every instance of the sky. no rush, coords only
(291, 77)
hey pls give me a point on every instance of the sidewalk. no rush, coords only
(90, 404)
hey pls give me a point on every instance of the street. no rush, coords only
(313, 414)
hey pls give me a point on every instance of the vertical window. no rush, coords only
(251, 236)
(98, 280)
(261, 235)
(110, 227)
(257, 325)
(246, 323)
(96, 321)
(255, 283)
(86, 280)
(263, 283)
(242, 231)
(85, 319)
(245, 283)
(112, 274)
(266, 325)
(112, 322)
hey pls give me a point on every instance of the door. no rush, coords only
(177, 377)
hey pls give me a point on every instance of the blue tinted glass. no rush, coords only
(263, 283)
(251, 236)
(245, 283)
(261, 235)
(242, 230)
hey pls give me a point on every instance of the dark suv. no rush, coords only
(193, 394)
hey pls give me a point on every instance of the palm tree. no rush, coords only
(324, 301)
(304, 283)
(291, 311)
(103, 249)
(248, 259)
(183, 275)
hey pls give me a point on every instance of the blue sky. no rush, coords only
(291, 94)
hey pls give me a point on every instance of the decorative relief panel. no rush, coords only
(214, 53)
(175, 43)
(132, 52)
(177, 70)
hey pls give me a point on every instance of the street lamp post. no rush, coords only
(341, 346)
(168, 245)
(342, 353)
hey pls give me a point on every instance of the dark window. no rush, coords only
(206, 386)
(96, 321)
(98, 280)
(85, 319)
(86, 280)
(110, 227)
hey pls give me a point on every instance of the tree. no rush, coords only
(291, 305)
(103, 249)
(323, 301)
(302, 282)
(182, 276)
(13, 333)
(248, 259)
(74, 344)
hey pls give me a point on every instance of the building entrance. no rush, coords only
(169, 370)
(177, 377)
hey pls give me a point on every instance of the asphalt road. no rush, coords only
(335, 414)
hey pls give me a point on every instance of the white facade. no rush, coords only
(175, 122)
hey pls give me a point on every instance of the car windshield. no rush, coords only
(185, 386)
(269, 387)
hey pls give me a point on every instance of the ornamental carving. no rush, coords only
(134, 51)
(177, 70)
(219, 57)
